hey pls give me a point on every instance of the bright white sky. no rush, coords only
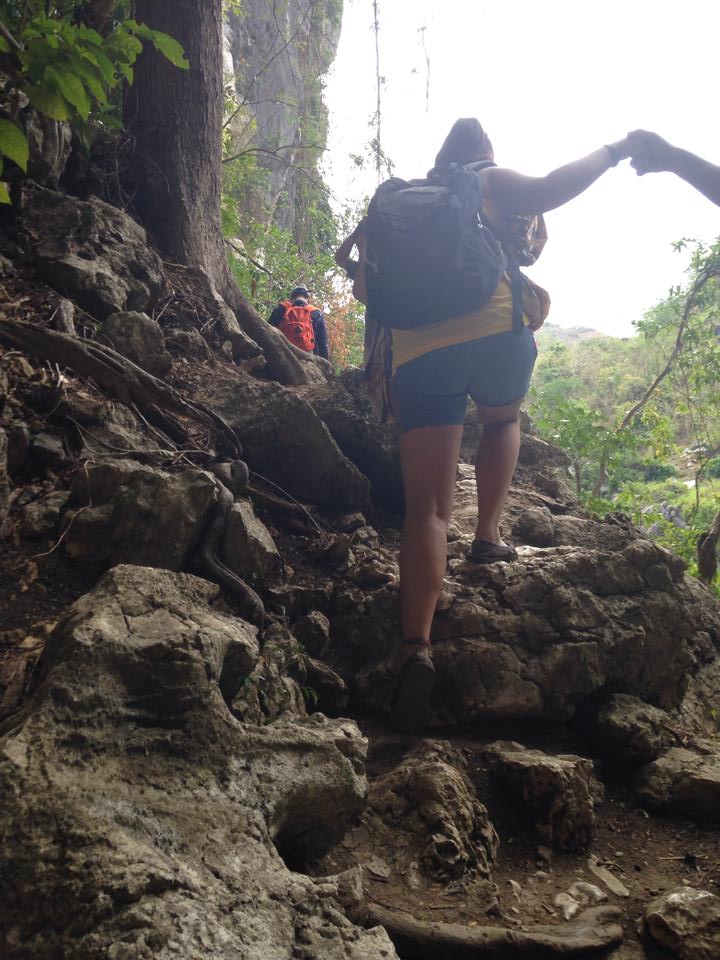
(550, 80)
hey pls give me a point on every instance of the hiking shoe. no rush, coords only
(485, 551)
(410, 709)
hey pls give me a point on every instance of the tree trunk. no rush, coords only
(578, 478)
(707, 551)
(174, 118)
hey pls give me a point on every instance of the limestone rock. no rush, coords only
(429, 808)
(139, 338)
(325, 689)
(189, 343)
(91, 252)
(40, 517)
(101, 425)
(559, 792)
(247, 547)
(141, 819)
(298, 599)
(64, 317)
(686, 922)
(312, 631)
(542, 635)
(627, 732)
(535, 526)
(285, 441)
(684, 782)
(137, 514)
(48, 451)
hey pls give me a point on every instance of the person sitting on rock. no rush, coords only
(651, 154)
(437, 367)
(302, 323)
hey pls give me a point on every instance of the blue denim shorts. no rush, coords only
(432, 390)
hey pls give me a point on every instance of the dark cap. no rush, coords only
(299, 292)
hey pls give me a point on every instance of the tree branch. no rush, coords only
(707, 274)
(10, 38)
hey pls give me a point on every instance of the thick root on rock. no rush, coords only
(112, 372)
(595, 930)
(209, 564)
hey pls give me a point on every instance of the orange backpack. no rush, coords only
(297, 325)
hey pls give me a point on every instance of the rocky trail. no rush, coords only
(199, 600)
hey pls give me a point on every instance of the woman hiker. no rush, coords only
(438, 366)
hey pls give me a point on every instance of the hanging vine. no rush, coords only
(378, 81)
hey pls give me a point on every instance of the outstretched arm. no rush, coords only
(651, 154)
(516, 193)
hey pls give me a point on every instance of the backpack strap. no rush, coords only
(517, 295)
(513, 269)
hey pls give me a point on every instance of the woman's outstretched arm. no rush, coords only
(516, 193)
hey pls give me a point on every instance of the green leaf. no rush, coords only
(103, 63)
(4, 45)
(171, 49)
(92, 36)
(13, 143)
(126, 71)
(90, 77)
(48, 101)
(4, 195)
(71, 88)
(165, 44)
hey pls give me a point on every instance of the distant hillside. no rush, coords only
(552, 333)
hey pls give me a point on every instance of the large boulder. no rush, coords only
(122, 511)
(287, 442)
(540, 636)
(141, 819)
(91, 252)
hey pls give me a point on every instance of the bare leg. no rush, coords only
(494, 465)
(429, 458)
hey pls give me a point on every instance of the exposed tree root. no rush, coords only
(114, 373)
(211, 566)
(593, 932)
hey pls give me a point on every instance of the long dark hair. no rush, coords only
(467, 141)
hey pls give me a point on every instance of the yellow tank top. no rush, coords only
(493, 317)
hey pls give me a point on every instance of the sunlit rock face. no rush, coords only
(275, 56)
